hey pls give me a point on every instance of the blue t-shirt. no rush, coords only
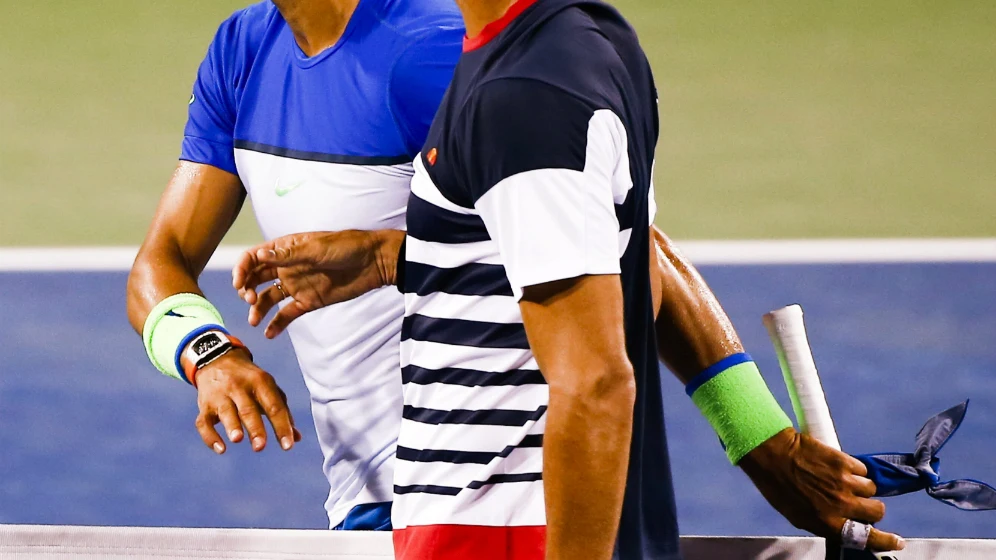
(368, 99)
(326, 143)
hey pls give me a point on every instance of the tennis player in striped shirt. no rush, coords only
(533, 424)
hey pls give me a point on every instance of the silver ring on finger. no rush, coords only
(854, 534)
(280, 288)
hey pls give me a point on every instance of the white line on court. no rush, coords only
(759, 252)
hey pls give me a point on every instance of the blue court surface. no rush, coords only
(91, 434)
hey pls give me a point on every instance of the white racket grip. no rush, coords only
(787, 330)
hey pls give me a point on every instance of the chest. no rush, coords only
(316, 145)
(336, 105)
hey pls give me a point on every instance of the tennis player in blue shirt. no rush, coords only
(314, 109)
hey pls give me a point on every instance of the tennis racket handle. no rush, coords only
(787, 330)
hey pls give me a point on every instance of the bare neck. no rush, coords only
(316, 24)
(478, 13)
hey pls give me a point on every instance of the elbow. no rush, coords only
(605, 390)
(133, 299)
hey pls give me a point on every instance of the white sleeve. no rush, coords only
(652, 196)
(553, 224)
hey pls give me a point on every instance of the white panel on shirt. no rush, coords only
(423, 188)
(505, 504)
(451, 255)
(518, 504)
(417, 435)
(440, 396)
(437, 355)
(460, 475)
(552, 224)
(349, 352)
(651, 195)
(487, 309)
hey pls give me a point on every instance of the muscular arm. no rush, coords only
(575, 330)
(693, 331)
(813, 486)
(198, 207)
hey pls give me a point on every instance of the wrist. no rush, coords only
(205, 349)
(214, 370)
(735, 400)
(172, 324)
(388, 254)
(772, 451)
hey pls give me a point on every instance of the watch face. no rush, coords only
(206, 343)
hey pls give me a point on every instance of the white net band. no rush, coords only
(37, 542)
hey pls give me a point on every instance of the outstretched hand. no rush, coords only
(314, 270)
(817, 487)
(234, 391)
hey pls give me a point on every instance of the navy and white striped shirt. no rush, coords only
(537, 168)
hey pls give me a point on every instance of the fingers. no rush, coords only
(880, 541)
(260, 275)
(855, 466)
(230, 420)
(275, 408)
(284, 316)
(244, 266)
(290, 249)
(865, 510)
(861, 486)
(265, 301)
(252, 419)
(283, 398)
(282, 251)
(205, 427)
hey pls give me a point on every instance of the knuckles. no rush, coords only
(273, 409)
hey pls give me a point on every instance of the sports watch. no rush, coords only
(204, 349)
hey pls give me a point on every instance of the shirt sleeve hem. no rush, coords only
(209, 152)
(553, 271)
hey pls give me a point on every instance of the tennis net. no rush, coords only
(52, 542)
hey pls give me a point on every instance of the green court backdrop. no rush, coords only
(779, 119)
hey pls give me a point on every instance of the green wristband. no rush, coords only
(169, 323)
(741, 409)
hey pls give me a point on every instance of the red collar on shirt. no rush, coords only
(492, 29)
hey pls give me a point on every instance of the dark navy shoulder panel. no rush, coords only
(531, 125)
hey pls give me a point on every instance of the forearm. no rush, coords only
(575, 330)
(160, 270)
(693, 331)
(197, 208)
(585, 458)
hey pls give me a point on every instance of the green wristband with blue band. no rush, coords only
(172, 324)
(735, 400)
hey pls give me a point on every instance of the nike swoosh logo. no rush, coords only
(283, 190)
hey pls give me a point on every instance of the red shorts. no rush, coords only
(463, 542)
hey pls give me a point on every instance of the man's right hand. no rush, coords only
(817, 487)
(234, 391)
(314, 270)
